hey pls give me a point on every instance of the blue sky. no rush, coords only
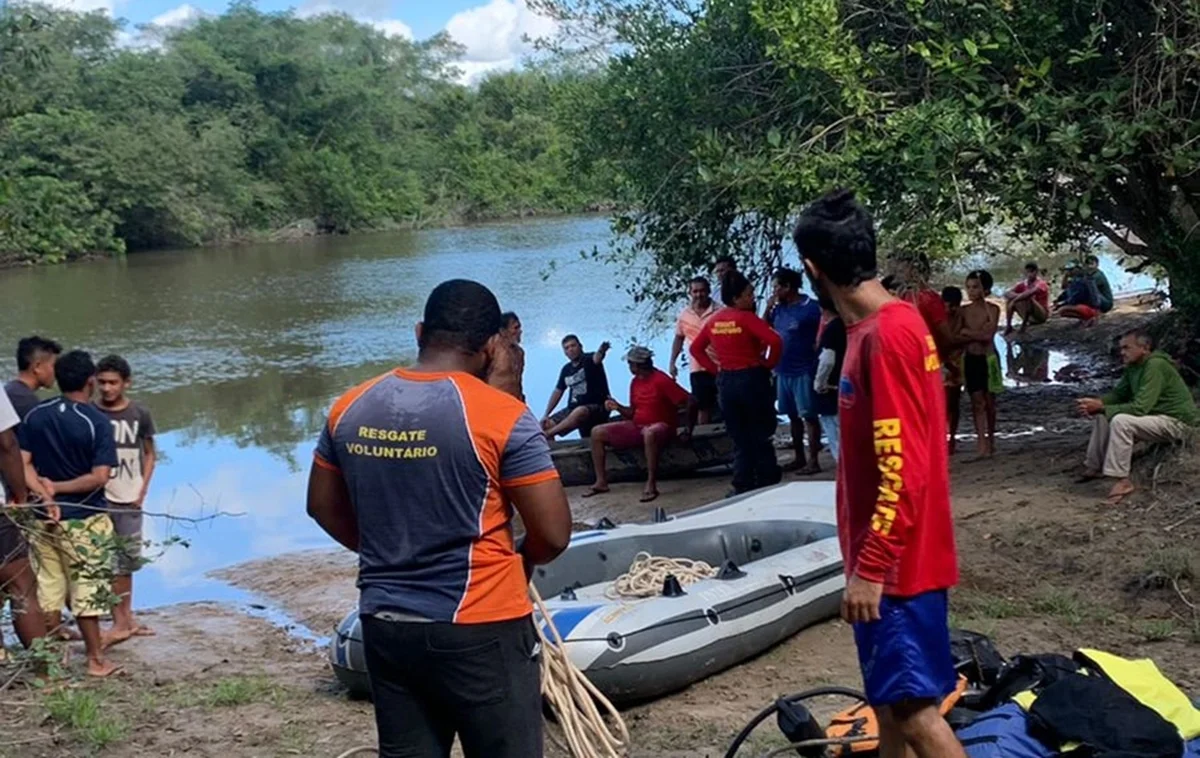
(490, 30)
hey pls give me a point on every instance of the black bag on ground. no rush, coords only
(1026, 672)
(975, 657)
(1105, 718)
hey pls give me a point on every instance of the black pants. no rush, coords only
(748, 405)
(432, 681)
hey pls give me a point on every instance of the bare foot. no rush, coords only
(1121, 490)
(1088, 476)
(102, 668)
(115, 636)
(143, 631)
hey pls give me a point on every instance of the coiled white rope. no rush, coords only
(648, 572)
(575, 702)
(573, 699)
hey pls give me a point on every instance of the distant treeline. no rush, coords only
(246, 122)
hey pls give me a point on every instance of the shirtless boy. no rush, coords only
(978, 322)
(952, 368)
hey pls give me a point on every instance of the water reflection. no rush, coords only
(239, 351)
(1027, 364)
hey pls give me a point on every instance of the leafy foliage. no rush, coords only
(1059, 122)
(249, 121)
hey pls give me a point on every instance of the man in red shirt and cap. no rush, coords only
(649, 421)
(893, 490)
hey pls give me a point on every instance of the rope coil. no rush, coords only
(648, 572)
(573, 699)
(578, 707)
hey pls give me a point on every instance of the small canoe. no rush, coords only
(710, 446)
(780, 571)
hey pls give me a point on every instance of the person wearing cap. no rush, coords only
(649, 420)
(1080, 298)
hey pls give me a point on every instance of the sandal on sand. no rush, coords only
(592, 492)
(648, 497)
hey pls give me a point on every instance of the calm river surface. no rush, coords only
(238, 352)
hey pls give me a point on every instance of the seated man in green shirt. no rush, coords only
(1151, 403)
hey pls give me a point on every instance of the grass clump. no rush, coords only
(240, 690)
(83, 712)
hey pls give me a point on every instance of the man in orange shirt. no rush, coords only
(687, 326)
(649, 421)
(419, 471)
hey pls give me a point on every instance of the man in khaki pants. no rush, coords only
(1151, 403)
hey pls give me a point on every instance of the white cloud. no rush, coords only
(178, 16)
(473, 71)
(393, 28)
(389, 26)
(494, 35)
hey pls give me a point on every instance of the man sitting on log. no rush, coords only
(649, 420)
(1150, 403)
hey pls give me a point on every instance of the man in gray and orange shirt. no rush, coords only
(419, 471)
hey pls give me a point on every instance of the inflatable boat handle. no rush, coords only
(730, 570)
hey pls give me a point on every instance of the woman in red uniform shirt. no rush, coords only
(746, 349)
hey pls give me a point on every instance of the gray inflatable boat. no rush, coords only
(781, 570)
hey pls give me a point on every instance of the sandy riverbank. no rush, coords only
(1046, 567)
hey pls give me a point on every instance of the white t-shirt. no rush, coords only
(8, 414)
(8, 420)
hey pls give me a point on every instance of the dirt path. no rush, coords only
(1046, 567)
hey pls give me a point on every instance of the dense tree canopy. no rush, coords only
(249, 121)
(1059, 121)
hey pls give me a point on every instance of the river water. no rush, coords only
(238, 352)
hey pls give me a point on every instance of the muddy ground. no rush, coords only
(1046, 566)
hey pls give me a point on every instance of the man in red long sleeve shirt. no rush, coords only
(894, 520)
(746, 349)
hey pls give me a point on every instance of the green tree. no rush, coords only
(1058, 120)
(249, 121)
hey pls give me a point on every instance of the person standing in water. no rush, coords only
(133, 430)
(979, 320)
(893, 484)
(419, 472)
(747, 349)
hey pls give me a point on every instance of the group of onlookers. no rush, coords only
(81, 462)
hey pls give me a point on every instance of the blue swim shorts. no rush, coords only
(795, 396)
(906, 654)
